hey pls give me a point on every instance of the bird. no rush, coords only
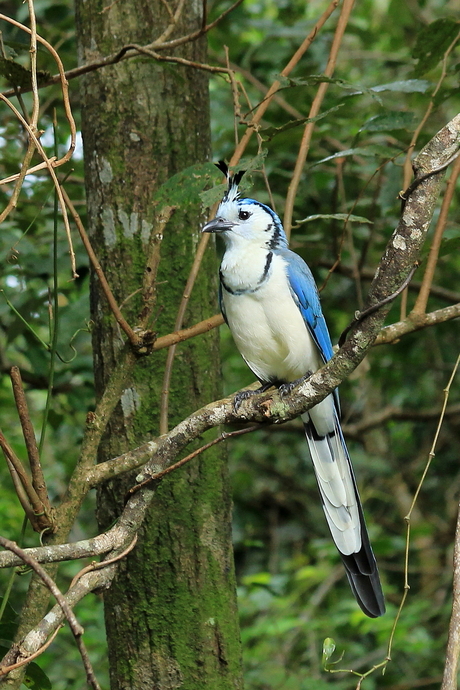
(269, 300)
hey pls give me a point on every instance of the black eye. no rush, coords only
(244, 215)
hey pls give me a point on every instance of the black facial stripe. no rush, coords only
(274, 238)
(267, 267)
(246, 291)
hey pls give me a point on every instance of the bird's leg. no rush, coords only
(244, 395)
(286, 388)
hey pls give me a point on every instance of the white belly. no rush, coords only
(269, 330)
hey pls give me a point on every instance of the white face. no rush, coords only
(250, 221)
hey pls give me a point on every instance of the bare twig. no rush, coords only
(50, 164)
(408, 162)
(391, 412)
(173, 23)
(33, 66)
(416, 322)
(146, 50)
(408, 532)
(279, 100)
(171, 468)
(415, 285)
(314, 110)
(121, 54)
(75, 626)
(422, 299)
(6, 669)
(133, 337)
(256, 118)
(449, 681)
(360, 316)
(60, 77)
(20, 491)
(40, 520)
(97, 566)
(38, 479)
(19, 177)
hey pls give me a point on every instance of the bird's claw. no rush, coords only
(244, 395)
(240, 397)
(286, 388)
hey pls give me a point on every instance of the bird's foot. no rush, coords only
(244, 395)
(286, 388)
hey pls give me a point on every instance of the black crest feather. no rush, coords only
(223, 167)
(232, 181)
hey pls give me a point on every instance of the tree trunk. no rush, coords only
(171, 613)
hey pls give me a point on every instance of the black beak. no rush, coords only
(217, 225)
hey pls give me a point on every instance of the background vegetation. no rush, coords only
(397, 73)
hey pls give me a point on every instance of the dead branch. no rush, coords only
(125, 52)
(38, 479)
(314, 111)
(422, 299)
(33, 507)
(416, 322)
(75, 626)
(449, 681)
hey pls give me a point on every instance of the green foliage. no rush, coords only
(36, 679)
(183, 188)
(432, 43)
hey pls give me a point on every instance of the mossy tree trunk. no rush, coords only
(171, 613)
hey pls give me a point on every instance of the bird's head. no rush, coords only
(245, 219)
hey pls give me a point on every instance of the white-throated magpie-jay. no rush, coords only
(269, 300)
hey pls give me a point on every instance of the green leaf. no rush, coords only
(450, 245)
(17, 75)
(271, 132)
(371, 150)
(432, 42)
(36, 678)
(328, 650)
(406, 86)
(250, 164)
(8, 621)
(394, 119)
(212, 196)
(335, 216)
(183, 189)
(311, 80)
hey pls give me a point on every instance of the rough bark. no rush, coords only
(171, 613)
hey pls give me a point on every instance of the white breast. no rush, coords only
(267, 326)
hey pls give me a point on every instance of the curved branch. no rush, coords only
(416, 322)
(124, 53)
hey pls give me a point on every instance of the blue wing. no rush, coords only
(306, 296)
